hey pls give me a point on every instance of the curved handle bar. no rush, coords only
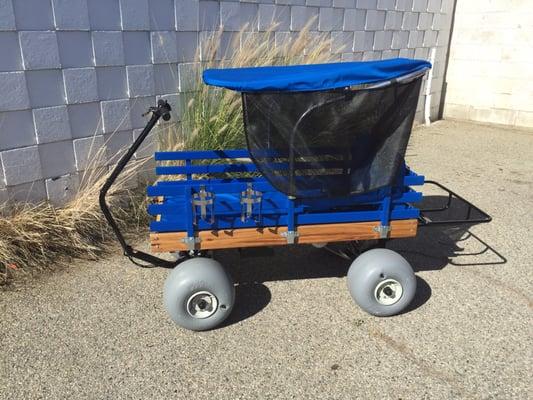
(161, 111)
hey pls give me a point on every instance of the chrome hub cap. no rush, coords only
(388, 292)
(202, 305)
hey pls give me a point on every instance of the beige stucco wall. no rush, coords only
(490, 71)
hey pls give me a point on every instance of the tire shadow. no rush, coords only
(422, 295)
(250, 299)
(432, 249)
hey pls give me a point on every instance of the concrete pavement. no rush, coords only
(98, 330)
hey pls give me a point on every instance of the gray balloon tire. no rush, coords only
(198, 275)
(375, 266)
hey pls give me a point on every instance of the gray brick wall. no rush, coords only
(75, 75)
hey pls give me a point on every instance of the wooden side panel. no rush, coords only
(253, 237)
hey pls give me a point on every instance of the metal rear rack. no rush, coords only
(480, 217)
(425, 220)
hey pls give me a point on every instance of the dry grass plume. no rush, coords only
(212, 117)
(36, 237)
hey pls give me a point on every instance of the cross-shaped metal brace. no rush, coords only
(203, 199)
(249, 197)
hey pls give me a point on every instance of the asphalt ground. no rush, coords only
(99, 331)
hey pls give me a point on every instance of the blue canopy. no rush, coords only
(311, 77)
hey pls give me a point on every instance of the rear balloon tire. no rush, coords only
(199, 294)
(381, 282)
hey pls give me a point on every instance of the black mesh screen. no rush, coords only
(330, 143)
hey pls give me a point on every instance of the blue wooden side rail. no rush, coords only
(215, 189)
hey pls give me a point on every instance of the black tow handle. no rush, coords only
(162, 110)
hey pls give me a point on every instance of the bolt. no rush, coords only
(202, 304)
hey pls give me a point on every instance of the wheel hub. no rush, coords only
(388, 292)
(202, 305)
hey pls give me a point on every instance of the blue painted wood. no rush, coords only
(189, 216)
(205, 169)
(188, 174)
(386, 207)
(245, 167)
(230, 222)
(201, 155)
(277, 209)
(164, 189)
(291, 215)
(238, 153)
(176, 188)
(411, 179)
(226, 203)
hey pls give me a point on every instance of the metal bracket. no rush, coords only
(203, 199)
(190, 242)
(383, 231)
(290, 236)
(249, 197)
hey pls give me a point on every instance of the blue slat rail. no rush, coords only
(200, 170)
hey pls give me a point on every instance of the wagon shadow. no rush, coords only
(437, 246)
(433, 248)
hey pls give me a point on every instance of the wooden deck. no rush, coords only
(254, 237)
